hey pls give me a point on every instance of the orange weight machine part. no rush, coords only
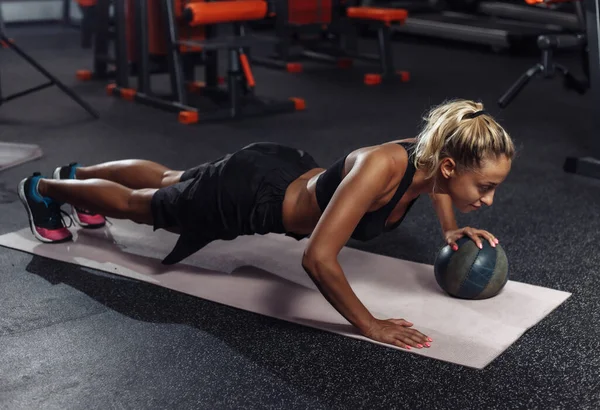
(536, 2)
(325, 31)
(179, 36)
(203, 13)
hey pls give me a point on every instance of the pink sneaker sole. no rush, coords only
(54, 235)
(88, 221)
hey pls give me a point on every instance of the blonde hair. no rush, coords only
(451, 132)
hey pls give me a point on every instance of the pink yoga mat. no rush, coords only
(263, 274)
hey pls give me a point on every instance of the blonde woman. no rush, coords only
(459, 158)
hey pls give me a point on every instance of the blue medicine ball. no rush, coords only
(470, 272)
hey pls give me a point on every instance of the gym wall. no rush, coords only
(24, 11)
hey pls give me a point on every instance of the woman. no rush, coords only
(459, 158)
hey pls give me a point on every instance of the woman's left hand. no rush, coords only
(476, 235)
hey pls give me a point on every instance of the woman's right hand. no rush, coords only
(397, 332)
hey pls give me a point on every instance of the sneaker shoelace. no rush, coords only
(57, 216)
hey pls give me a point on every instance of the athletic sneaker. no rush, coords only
(83, 217)
(45, 216)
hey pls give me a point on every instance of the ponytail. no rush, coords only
(461, 130)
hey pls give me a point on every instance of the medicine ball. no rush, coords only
(470, 272)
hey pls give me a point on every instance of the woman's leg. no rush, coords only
(42, 199)
(102, 197)
(132, 173)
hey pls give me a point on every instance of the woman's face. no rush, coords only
(471, 189)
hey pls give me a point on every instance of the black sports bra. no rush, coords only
(373, 223)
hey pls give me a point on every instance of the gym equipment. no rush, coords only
(326, 31)
(86, 24)
(590, 166)
(539, 14)
(466, 21)
(99, 25)
(174, 37)
(547, 68)
(470, 272)
(8, 43)
(263, 274)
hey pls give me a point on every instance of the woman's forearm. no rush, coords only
(442, 204)
(332, 283)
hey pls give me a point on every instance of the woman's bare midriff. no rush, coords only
(301, 210)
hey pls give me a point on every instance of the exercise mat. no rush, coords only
(263, 274)
(12, 154)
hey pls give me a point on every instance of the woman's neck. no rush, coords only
(423, 185)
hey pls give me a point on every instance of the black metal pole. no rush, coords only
(120, 45)
(173, 53)
(51, 77)
(590, 165)
(142, 51)
(102, 36)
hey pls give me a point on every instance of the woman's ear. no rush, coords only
(448, 168)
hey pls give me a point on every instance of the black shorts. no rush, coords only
(239, 194)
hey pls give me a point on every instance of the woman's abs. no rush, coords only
(300, 208)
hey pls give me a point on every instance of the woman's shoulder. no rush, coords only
(391, 159)
(405, 146)
(404, 141)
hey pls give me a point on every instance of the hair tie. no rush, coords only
(475, 114)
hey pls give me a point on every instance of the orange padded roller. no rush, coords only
(534, 2)
(377, 14)
(87, 3)
(197, 14)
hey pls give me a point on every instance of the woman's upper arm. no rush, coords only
(367, 180)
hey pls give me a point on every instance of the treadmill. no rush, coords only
(534, 14)
(469, 27)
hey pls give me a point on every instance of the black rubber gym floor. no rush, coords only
(74, 338)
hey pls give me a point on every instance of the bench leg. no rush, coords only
(386, 60)
(385, 52)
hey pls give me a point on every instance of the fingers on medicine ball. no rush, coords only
(476, 239)
(452, 244)
(489, 237)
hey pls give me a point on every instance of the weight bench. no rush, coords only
(184, 36)
(381, 20)
(326, 31)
